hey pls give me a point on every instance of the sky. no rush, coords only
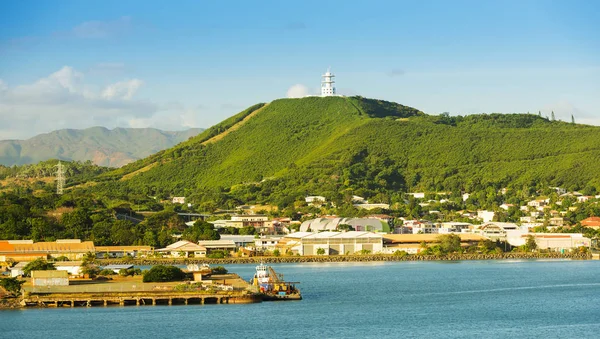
(180, 64)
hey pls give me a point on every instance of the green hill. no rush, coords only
(337, 146)
(104, 147)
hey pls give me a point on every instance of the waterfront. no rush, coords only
(524, 298)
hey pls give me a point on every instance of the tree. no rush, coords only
(552, 115)
(572, 119)
(248, 230)
(161, 273)
(530, 243)
(12, 285)
(38, 265)
(320, 251)
(276, 252)
(449, 243)
(201, 230)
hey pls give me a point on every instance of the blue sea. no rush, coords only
(465, 299)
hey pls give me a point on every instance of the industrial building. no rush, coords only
(332, 243)
(332, 224)
(411, 243)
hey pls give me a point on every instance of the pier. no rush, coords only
(131, 291)
(139, 299)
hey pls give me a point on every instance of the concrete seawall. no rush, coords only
(345, 258)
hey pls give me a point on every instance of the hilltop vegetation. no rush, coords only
(339, 146)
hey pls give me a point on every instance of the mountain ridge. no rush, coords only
(106, 147)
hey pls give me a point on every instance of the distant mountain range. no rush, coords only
(104, 147)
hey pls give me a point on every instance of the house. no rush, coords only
(239, 240)
(506, 207)
(17, 270)
(71, 267)
(358, 200)
(420, 195)
(218, 245)
(485, 216)
(537, 203)
(466, 196)
(557, 221)
(49, 278)
(528, 219)
(367, 206)
(591, 222)
(185, 249)
(179, 200)
(584, 198)
(412, 243)
(266, 243)
(315, 200)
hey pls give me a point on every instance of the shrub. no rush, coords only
(106, 272)
(161, 273)
(12, 285)
(400, 254)
(219, 270)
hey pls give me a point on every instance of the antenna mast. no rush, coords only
(60, 178)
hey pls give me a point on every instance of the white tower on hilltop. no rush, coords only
(327, 89)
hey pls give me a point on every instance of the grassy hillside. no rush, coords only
(104, 147)
(337, 146)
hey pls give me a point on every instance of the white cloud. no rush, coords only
(122, 89)
(64, 100)
(102, 29)
(68, 99)
(297, 91)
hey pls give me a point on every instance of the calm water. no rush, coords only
(471, 299)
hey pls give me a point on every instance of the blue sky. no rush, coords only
(173, 65)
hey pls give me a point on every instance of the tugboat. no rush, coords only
(272, 287)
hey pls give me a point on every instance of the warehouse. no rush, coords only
(331, 243)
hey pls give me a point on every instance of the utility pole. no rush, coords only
(60, 178)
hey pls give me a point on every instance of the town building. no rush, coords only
(412, 243)
(591, 222)
(122, 251)
(184, 249)
(218, 245)
(495, 230)
(71, 267)
(331, 243)
(332, 224)
(49, 278)
(315, 200)
(559, 242)
(178, 200)
(27, 250)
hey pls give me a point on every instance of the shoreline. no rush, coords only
(342, 258)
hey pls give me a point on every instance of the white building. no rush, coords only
(312, 200)
(327, 88)
(179, 200)
(332, 243)
(485, 216)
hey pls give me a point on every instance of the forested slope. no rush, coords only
(335, 146)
